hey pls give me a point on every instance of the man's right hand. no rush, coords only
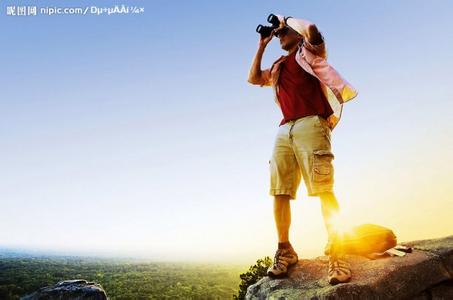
(264, 41)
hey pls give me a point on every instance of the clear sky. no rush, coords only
(140, 135)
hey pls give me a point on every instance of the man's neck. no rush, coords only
(292, 50)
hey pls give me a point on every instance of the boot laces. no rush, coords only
(277, 261)
(277, 255)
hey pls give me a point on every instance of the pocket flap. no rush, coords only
(323, 152)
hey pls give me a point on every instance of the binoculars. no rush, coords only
(265, 31)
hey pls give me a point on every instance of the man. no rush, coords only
(310, 94)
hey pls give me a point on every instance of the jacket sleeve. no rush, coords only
(319, 50)
(301, 26)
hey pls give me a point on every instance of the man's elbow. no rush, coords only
(314, 35)
(253, 80)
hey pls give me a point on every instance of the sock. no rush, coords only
(284, 245)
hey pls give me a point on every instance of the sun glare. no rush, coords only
(338, 224)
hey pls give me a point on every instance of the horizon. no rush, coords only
(6, 253)
(71, 254)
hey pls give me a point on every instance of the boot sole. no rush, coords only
(337, 281)
(272, 275)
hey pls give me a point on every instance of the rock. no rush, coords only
(426, 273)
(76, 289)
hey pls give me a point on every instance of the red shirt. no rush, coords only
(300, 92)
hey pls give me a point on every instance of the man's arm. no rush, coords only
(306, 28)
(313, 39)
(313, 35)
(256, 75)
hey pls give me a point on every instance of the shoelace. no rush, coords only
(336, 263)
(277, 255)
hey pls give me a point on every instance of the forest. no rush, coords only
(121, 278)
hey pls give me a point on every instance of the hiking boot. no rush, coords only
(339, 270)
(283, 258)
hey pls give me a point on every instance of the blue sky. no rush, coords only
(140, 135)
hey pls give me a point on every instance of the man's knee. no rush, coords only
(282, 197)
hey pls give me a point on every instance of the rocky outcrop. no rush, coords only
(77, 289)
(426, 273)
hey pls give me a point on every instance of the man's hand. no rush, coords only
(264, 41)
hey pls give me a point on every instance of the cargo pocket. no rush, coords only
(322, 171)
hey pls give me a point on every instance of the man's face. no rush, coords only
(288, 37)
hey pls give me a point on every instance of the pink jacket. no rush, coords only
(313, 59)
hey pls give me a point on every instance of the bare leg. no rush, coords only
(285, 255)
(282, 215)
(329, 207)
(339, 270)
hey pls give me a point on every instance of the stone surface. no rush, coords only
(76, 289)
(426, 273)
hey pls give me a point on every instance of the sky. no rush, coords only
(139, 135)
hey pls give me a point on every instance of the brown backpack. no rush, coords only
(368, 240)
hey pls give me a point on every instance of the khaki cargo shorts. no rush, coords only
(302, 148)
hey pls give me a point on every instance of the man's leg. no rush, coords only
(312, 146)
(339, 270)
(284, 182)
(330, 208)
(285, 254)
(282, 216)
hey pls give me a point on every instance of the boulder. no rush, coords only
(425, 273)
(76, 289)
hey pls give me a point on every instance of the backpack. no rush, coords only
(369, 240)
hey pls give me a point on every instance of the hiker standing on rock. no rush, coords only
(310, 94)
